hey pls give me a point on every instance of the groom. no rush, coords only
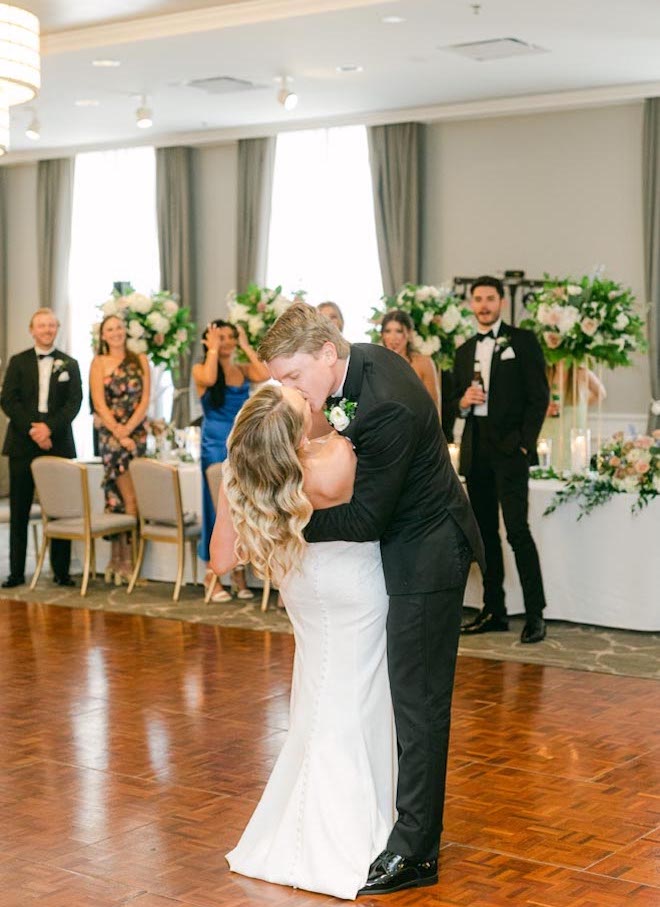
(408, 496)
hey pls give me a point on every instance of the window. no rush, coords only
(114, 237)
(322, 232)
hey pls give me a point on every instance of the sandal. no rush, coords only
(244, 594)
(221, 595)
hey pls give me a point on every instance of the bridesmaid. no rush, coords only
(119, 384)
(396, 333)
(223, 387)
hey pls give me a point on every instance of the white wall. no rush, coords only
(557, 193)
(22, 274)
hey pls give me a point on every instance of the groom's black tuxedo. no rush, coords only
(20, 401)
(408, 496)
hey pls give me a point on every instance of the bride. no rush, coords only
(329, 804)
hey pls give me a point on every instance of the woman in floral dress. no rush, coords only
(119, 383)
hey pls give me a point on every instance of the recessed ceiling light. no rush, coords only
(86, 102)
(392, 20)
(109, 64)
(349, 67)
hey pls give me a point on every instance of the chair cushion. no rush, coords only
(168, 531)
(100, 522)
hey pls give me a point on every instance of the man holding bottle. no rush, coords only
(501, 391)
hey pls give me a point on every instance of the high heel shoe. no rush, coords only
(109, 576)
(220, 594)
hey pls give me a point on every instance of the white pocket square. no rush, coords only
(63, 376)
(508, 353)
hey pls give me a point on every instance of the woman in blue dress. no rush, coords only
(223, 387)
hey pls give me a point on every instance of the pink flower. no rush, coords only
(589, 326)
(159, 339)
(552, 339)
(437, 319)
(641, 467)
(261, 307)
(615, 461)
(644, 442)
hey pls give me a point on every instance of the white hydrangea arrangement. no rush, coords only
(442, 321)
(156, 325)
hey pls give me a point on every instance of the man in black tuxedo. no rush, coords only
(41, 396)
(408, 496)
(502, 423)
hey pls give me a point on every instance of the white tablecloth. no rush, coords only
(603, 569)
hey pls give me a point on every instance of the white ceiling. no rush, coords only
(605, 46)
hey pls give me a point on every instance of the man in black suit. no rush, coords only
(408, 496)
(503, 419)
(41, 395)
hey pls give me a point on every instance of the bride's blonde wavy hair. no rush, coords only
(263, 480)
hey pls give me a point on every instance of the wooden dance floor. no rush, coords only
(133, 750)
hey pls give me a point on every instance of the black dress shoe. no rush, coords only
(391, 872)
(13, 581)
(534, 630)
(63, 581)
(485, 622)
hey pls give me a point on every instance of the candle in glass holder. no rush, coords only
(454, 452)
(544, 452)
(580, 449)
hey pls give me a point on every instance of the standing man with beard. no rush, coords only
(501, 390)
(41, 396)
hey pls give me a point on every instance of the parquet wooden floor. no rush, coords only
(133, 750)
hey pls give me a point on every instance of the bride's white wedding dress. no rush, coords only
(329, 805)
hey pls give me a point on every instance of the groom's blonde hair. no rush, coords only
(301, 329)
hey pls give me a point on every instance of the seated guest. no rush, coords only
(41, 395)
(119, 384)
(223, 386)
(396, 333)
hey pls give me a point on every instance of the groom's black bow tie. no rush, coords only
(41, 356)
(481, 337)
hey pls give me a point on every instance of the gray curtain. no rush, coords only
(651, 202)
(54, 212)
(256, 164)
(174, 191)
(395, 154)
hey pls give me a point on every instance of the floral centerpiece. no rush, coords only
(589, 318)
(629, 465)
(156, 325)
(442, 322)
(257, 309)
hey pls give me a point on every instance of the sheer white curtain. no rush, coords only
(322, 231)
(114, 237)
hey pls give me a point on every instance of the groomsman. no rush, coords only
(41, 395)
(502, 392)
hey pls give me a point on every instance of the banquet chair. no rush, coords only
(63, 492)
(214, 478)
(161, 516)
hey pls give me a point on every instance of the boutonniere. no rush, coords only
(502, 342)
(58, 365)
(341, 414)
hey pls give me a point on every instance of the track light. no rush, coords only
(143, 115)
(34, 129)
(287, 98)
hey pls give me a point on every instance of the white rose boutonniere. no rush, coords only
(341, 414)
(502, 342)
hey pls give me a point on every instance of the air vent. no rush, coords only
(495, 49)
(222, 85)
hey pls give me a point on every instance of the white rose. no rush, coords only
(135, 329)
(238, 312)
(451, 318)
(543, 313)
(109, 307)
(136, 346)
(433, 343)
(621, 321)
(589, 326)
(338, 418)
(181, 335)
(629, 484)
(427, 317)
(573, 290)
(613, 294)
(281, 304)
(422, 294)
(568, 316)
(139, 303)
(158, 322)
(620, 343)
(256, 325)
(170, 307)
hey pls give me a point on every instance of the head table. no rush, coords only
(602, 569)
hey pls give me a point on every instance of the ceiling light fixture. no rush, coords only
(287, 98)
(34, 129)
(144, 115)
(106, 64)
(20, 64)
(349, 67)
(392, 20)
(86, 102)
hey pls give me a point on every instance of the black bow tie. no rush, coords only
(481, 337)
(41, 356)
